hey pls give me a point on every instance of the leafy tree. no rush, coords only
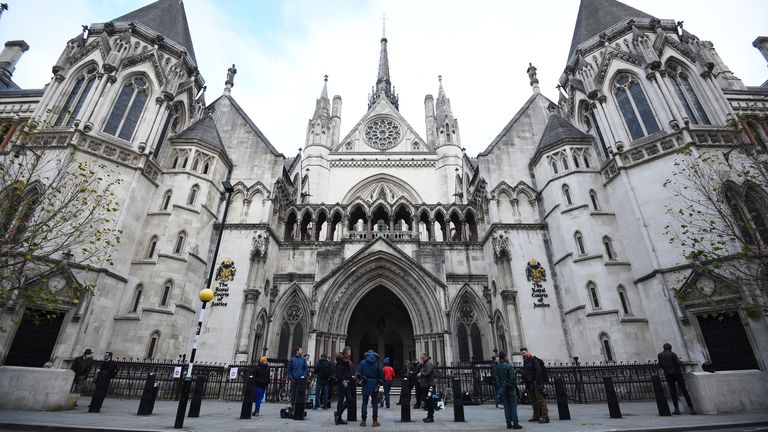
(720, 212)
(58, 210)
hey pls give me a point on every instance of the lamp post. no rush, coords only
(206, 295)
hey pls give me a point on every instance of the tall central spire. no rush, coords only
(383, 83)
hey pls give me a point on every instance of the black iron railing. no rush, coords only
(583, 381)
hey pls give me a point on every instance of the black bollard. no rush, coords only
(197, 397)
(613, 400)
(147, 402)
(562, 400)
(405, 401)
(186, 386)
(661, 398)
(300, 400)
(352, 407)
(458, 401)
(245, 410)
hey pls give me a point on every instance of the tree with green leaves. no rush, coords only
(58, 212)
(720, 215)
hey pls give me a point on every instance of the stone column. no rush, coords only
(100, 110)
(53, 99)
(602, 120)
(617, 125)
(93, 99)
(431, 229)
(513, 319)
(40, 109)
(663, 100)
(344, 224)
(391, 225)
(677, 109)
(716, 95)
(250, 297)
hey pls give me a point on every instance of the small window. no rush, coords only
(206, 167)
(576, 161)
(184, 162)
(154, 338)
(580, 243)
(152, 247)
(195, 163)
(592, 292)
(447, 133)
(554, 166)
(175, 162)
(624, 300)
(757, 135)
(605, 346)
(567, 195)
(593, 198)
(193, 195)
(166, 293)
(565, 162)
(166, 201)
(586, 160)
(609, 252)
(137, 298)
(179, 243)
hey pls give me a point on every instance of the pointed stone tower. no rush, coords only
(383, 87)
(447, 126)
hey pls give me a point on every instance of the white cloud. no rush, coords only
(482, 49)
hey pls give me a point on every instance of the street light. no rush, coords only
(206, 295)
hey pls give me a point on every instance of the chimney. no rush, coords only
(10, 56)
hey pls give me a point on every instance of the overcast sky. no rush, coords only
(283, 49)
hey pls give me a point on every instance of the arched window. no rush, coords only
(593, 198)
(167, 287)
(564, 160)
(757, 135)
(195, 163)
(468, 333)
(292, 331)
(554, 166)
(152, 246)
(76, 98)
(635, 109)
(624, 299)
(447, 133)
(593, 128)
(605, 347)
(137, 298)
(757, 214)
(567, 195)
(166, 201)
(579, 243)
(575, 160)
(206, 167)
(172, 126)
(739, 216)
(193, 195)
(610, 253)
(586, 159)
(154, 338)
(184, 162)
(179, 242)
(592, 294)
(128, 107)
(684, 91)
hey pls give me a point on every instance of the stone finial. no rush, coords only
(532, 76)
(230, 82)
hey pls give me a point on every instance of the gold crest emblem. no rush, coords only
(535, 272)
(226, 271)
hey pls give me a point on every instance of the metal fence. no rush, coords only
(583, 381)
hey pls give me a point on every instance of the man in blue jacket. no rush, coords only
(297, 368)
(372, 377)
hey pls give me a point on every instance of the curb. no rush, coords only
(686, 428)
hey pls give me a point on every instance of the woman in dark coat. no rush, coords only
(260, 383)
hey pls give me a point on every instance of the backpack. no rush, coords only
(544, 371)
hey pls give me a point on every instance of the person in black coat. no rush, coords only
(344, 382)
(260, 383)
(104, 375)
(673, 373)
(415, 382)
(323, 371)
(533, 376)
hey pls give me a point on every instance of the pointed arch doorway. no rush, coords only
(380, 322)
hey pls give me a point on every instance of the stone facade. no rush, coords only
(386, 237)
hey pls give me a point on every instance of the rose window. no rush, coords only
(382, 134)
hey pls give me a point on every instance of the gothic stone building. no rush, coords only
(385, 235)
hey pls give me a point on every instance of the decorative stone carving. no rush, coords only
(509, 296)
(226, 271)
(382, 133)
(500, 245)
(535, 272)
(466, 314)
(259, 245)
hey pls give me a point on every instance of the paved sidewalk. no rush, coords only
(120, 415)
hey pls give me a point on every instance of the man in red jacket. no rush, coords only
(389, 375)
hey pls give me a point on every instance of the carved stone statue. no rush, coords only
(231, 75)
(259, 245)
(532, 75)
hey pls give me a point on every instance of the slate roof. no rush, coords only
(248, 120)
(167, 17)
(203, 130)
(596, 16)
(558, 130)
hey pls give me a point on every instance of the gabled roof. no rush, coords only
(248, 120)
(168, 18)
(203, 130)
(596, 16)
(512, 122)
(559, 130)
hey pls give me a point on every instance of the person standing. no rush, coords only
(389, 375)
(371, 376)
(414, 379)
(533, 376)
(322, 376)
(426, 377)
(81, 366)
(673, 373)
(104, 375)
(495, 378)
(344, 382)
(260, 383)
(297, 368)
(507, 382)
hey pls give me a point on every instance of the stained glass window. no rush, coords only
(634, 106)
(76, 98)
(127, 109)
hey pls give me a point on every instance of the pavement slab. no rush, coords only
(120, 415)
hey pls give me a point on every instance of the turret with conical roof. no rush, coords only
(447, 126)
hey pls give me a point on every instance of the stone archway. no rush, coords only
(381, 322)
